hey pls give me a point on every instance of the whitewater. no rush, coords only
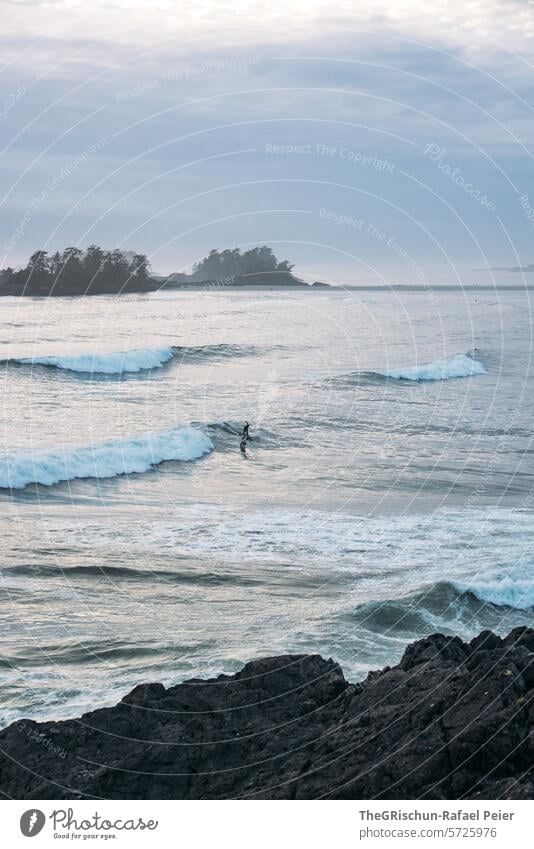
(128, 361)
(387, 491)
(105, 460)
(107, 363)
(449, 368)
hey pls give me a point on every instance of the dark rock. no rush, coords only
(451, 721)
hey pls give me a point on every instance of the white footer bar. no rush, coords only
(269, 824)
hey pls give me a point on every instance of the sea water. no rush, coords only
(386, 493)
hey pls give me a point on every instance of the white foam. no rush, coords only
(104, 460)
(459, 365)
(114, 362)
(382, 546)
(513, 589)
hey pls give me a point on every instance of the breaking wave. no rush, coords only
(458, 607)
(104, 460)
(135, 360)
(450, 368)
(502, 590)
(459, 365)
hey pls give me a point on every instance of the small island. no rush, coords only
(96, 271)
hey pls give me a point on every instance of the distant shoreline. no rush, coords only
(59, 288)
(210, 287)
(468, 287)
(199, 287)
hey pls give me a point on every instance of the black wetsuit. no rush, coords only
(245, 435)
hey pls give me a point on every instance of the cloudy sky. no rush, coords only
(383, 146)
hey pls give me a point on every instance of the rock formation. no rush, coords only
(452, 720)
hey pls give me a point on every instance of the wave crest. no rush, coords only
(115, 362)
(501, 590)
(450, 368)
(456, 606)
(104, 460)
(459, 365)
(134, 360)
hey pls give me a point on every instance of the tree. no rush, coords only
(38, 263)
(70, 276)
(285, 266)
(115, 270)
(266, 259)
(93, 262)
(139, 268)
(55, 265)
(7, 277)
(232, 263)
(37, 271)
(209, 267)
(74, 272)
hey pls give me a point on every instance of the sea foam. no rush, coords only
(134, 360)
(103, 460)
(513, 589)
(114, 362)
(458, 365)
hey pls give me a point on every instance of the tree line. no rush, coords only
(96, 271)
(75, 271)
(232, 263)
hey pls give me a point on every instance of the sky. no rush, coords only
(376, 143)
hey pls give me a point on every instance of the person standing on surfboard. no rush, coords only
(245, 436)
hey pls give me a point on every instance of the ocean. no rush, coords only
(387, 492)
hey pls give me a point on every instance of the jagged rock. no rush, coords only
(452, 720)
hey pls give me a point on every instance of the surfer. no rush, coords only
(245, 436)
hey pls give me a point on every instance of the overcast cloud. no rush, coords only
(394, 146)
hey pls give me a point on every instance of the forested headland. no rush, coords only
(96, 271)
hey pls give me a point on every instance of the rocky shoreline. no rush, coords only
(452, 720)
